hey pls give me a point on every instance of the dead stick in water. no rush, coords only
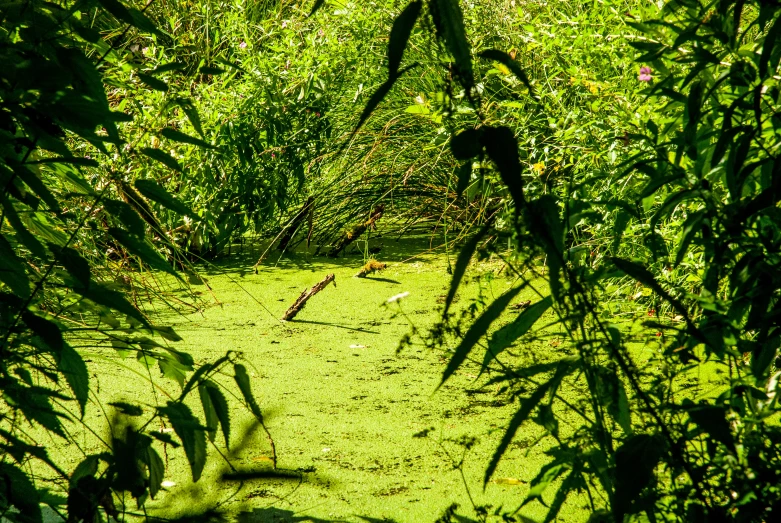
(308, 293)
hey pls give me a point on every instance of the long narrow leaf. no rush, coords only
(399, 35)
(478, 329)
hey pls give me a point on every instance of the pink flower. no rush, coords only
(284, 24)
(645, 74)
(243, 45)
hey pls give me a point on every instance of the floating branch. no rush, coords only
(355, 233)
(308, 293)
(371, 267)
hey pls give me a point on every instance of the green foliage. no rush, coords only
(699, 177)
(75, 235)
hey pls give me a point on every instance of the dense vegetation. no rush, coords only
(625, 153)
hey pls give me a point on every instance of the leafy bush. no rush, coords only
(68, 227)
(700, 186)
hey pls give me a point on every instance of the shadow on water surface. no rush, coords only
(278, 515)
(327, 324)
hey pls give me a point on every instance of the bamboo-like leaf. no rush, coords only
(178, 136)
(399, 35)
(464, 256)
(520, 416)
(505, 59)
(126, 215)
(186, 105)
(209, 412)
(138, 246)
(378, 96)
(644, 276)
(636, 460)
(72, 366)
(126, 408)
(502, 147)
(507, 335)
(467, 144)
(74, 263)
(23, 235)
(112, 299)
(769, 49)
(449, 23)
(220, 406)
(153, 83)
(477, 330)
(12, 271)
(242, 380)
(19, 492)
(317, 5)
(190, 432)
(563, 367)
(157, 193)
(162, 157)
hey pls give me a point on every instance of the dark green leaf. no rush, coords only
(464, 177)
(113, 300)
(23, 235)
(211, 70)
(209, 413)
(768, 46)
(477, 330)
(502, 148)
(317, 5)
(127, 408)
(644, 276)
(74, 263)
(378, 97)
(242, 380)
(157, 193)
(154, 83)
(520, 416)
(126, 215)
(162, 157)
(192, 113)
(45, 329)
(713, 420)
(220, 406)
(37, 185)
(18, 491)
(12, 271)
(461, 264)
(190, 432)
(399, 35)
(138, 246)
(691, 227)
(636, 460)
(171, 66)
(449, 24)
(178, 136)
(156, 471)
(72, 366)
(507, 335)
(505, 59)
(467, 144)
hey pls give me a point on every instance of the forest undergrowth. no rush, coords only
(617, 162)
